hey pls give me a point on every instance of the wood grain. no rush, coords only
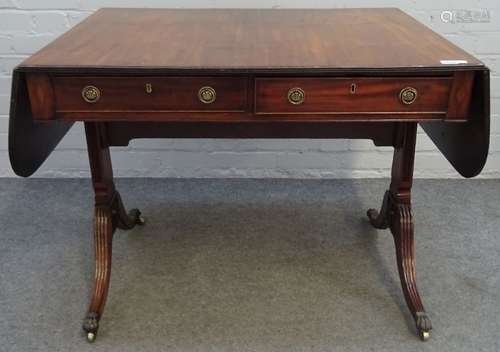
(460, 96)
(30, 142)
(109, 214)
(252, 58)
(167, 94)
(396, 213)
(175, 98)
(41, 94)
(249, 39)
(368, 95)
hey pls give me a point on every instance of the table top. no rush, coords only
(251, 39)
(355, 64)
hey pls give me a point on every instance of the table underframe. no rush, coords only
(110, 214)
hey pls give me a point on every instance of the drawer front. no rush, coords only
(116, 94)
(352, 95)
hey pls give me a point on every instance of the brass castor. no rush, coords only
(136, 216)
(141, 220)
(424, 335)
(91, 337)
(127, 221)
(424, 325)
(91, 325)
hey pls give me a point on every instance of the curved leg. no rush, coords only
(396, 214)
(380, 220)
(402, 231)
(109, 214)
(126, 221)
(103, 236)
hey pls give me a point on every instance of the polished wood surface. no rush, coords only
(30, 142)
(345, 73)
(353, 95)
(396, 214)
(157, 98)
(121, 94)
(109, 214)
(466, 145)
(250, 40)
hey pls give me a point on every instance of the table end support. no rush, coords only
(396, 214)
(109, 214)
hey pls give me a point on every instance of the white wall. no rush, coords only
(27, 25)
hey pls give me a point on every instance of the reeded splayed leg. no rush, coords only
(396, 213)
(109, 214)
(103, 236)
(402, 230)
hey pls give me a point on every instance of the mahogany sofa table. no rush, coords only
(345, 73)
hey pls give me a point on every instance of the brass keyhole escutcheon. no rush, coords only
(353, 88)
(91, 94)
(296, 96)
(207, 95)
(408, 95)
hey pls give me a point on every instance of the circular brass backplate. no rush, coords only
(408, 95)
(207, 95)
(91, 94)
(296, 96)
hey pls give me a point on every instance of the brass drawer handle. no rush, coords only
(408, 95)
(296, 96)
(207, 95)
(91, 94)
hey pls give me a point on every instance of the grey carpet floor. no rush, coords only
(249, 265)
